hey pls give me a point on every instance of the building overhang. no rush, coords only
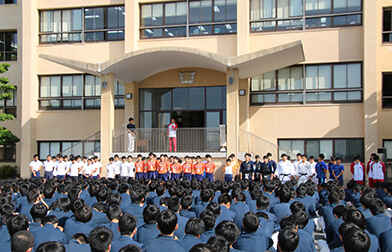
(140, 64)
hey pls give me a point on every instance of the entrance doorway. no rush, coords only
(189, 119)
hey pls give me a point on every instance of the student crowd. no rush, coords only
(272, 208)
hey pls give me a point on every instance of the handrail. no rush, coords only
(85, 151)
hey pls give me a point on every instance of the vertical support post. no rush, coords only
(232, 110)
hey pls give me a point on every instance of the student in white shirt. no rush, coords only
(61, 168)
(228, 169)
(313, 169)
(285, 169)
(81, 165)
(35, 167)
(97, 169)
(87, 170)
(296, 163)
(132, 167)
(124, 166)
(117, 166)
(48, 167)
(67, 164)
(304, 170)
(111, 169)
(74, 169)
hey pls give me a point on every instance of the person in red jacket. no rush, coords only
(358, 170)
(172, 134)
(378, 170)
(369, 171)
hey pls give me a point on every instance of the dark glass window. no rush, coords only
(7, 152)
(387, 26)
(8, 46)
(8, 1)
(387, 90)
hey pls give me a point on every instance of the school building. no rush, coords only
(309, 76)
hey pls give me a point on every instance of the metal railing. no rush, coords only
(254, 144)
(87, 147)
(156, 139)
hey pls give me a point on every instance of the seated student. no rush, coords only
(193, 229)
(301, 191)
(327, 211)
(297, 206)
(306, 242)
(49, 195)
(267, 227)
(269, 192)
(252, 202)
(127, 228)
(80, 224)
(251, 240)
(240, 208)
(22, 241)
(381, 193)
(38, 212)
(209, 224)
(379, 222)
(62, 210)
(355, 240)
(356, 217)
(230, 231)
(167, 224)
(215, 209)
(174, 205)
(51, 246)
(148, 230)
(137, 206)
(206, 196)
(386, 241)
(365, 200)
(123, 190)
(33, 198)
(219, 243)
(100, 239)
(160, 191)
(355, 196)
(14, 224)
(262, 204)
(201, 248)
(78, 242)
(332, 229)
(288, 240)
(151, 192)
(224, 201)
(113, 213)
(99, 217)
(388, 198)
(186, 203)
(282, 209)
(48, 232)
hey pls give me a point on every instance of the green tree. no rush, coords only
(6, 93)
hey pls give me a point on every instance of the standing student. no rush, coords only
(321, 169)
(74, 169)
(338, 170)
(209, 168)
(87, 170)
(266, 172)
(187, 168)
(175, 169)
(378, 169)
(228, 170)
(272, 164)
(81, 166)
(172, 134)
(285, 169)
(246, 169)
(257, 168)
(163, 168)
(131, 135)
(98, 165)
(117, 166)
(61, 168)
(131, 165)
(368, 169)
(313, 169)
(296, 163)
(124, 167)
(48, 167)
(304, 170)
(358, 170)
(139, 166)
(198, 169)
(111, 169)
(35, 167)
(151, 166)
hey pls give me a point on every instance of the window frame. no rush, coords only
(4, 2)
(61, 149)
(383, 144)
(13, 150)
(4, 53)
(14, 107)
(386, 32)
(382, 91)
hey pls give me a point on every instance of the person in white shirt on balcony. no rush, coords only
(48, 167)
(304, 170)
(285, 169)
(35, 167)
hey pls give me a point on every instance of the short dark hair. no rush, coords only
(186, 202)
(297, 206)
(322, 156)
(38, 212)
(288, 240)
(32, 196)
(356, 217)
(206, 195)
(127, 224)
(214, 208)
(113, 198)
(21, 241)
(174, 204)
(131, 248)
(356, 240)
(339, 210)
(114, 212)
(333, 198)
(376, 206)
(167, 222)
(201, 248)
(224, 199)
(49, 219)
(229, 230)
(209, 220)
(194, 226)
(219, 243)
(251, 222)
(284, 194)
(301, 218)
(137, 196)
(100, 239)
(51, 246)
(150, 214)
(17, 223)
(130, 119)
(84, 214)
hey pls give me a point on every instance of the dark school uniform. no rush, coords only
(200, 207)
(386, 241)
(226, 214)
(137, 211)
(187, 213)
(281, 210)
(146, 232)
(73, 227)
(378, 223)
(48, 233)
(327, 213)
(74, 245)
(181, 221)
(252, 242)
(240, 209)
(188, 241)
(123, 241)
(113, 226)
(306, 242)
(206, 235)
(162, 243)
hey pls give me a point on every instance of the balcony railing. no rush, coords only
(156, 140)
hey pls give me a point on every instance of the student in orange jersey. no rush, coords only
(198, 169)
(151, 166)
(163, 168)
(209, 167)
(145, 167)
(187, 168)
(139, 167)
(175, 169)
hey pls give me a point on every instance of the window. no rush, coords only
(53, 148)
(283, 15)
(387, 90)
(387, 26)
(75, 92)
(346, 149)
(7, 152)
(8, 1)
(202, 17)
(327, 83)
(82, 25)
(9, 106)
(8, 46)
(388, 144)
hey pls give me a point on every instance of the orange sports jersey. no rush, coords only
(187, 168)
(175, 168)
(145, 167)
(139, 166)
(151, 165)
(199, 168)
(210, 167)
(162, 167)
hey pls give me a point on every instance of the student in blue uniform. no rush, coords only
(174, 205)
(229, 230)
(269, 192)
(301, 197)
(33, 198)
(305, 240)
(288, 240)
(240, 208)
(137, 206)
(252, 202)
(355, 196)
(332, 229)
(217, 243)
(167, 224)
(209, 224)
(127, 227)
(206, 196)
(100, 239)
(388, 199)
(321, 169)
(337, 171)
(14, 224)
(78, 242)
(365, 200)
(99, 216)
(123, 190)
(81, 223)
(148, 230)
(296, 207)
(301, 219)
(38, 212)
(386, 241)
(355, 240)
(262, 206)
(193, 229)
(160, 191)
(380, 190)
(282, 209)
(22, 241)
(251, 240)
(48, 232)
(113, 213)
(379, 222)
(225, 205)
(186, 203)
(327, 211)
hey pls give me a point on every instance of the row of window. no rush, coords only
(9, 106)
(346, 149)
(309, 84)
(8, 46)
(8, 1)
(53, 148)
(80, 91)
